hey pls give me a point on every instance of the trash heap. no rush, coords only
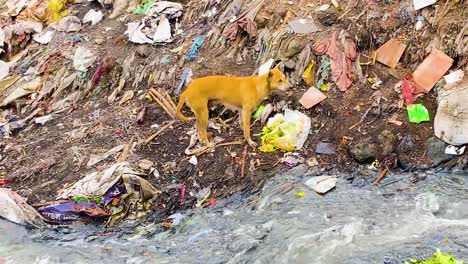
(364, 75)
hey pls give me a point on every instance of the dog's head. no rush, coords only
(277, 80)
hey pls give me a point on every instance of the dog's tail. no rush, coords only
(181, 103)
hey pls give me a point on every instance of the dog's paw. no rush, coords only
(251, 143)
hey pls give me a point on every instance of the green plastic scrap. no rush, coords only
(439, 258)
(417, 113)
(96, 199)
(144, 7)
(258, 112)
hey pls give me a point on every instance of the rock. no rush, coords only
(436, 150)
(368, 150)
(364, 152)
(145, 164)
(387, 142)
(293, 47)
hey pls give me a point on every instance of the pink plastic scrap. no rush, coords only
(244, 22)
(407, 91)
(341, 61)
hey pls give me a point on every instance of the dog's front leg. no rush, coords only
(245, 117)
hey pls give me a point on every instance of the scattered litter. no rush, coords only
(127, 96)
(454, 76)
(193, 160)
(454, 150)
(43, 119)
(124, 192)
(381, 176)
(185, 75)
(450, 123)
(292, 159)
(324, 72)
(391, 52)
(431, 70)
(408, 91)
(23, 90)
(340, 61)
(70, 212)
(67, 24)
(303, 26)
(145, 164)
(419, 4)
(439, 258)
(95, 159)
(258, 112)
(417, 113)
(308, 74)
(4, 70)
(14, 208)
(324, 7)
(244, 22)
(265, 67)
(395, 121)
(93, 16)
(325, 148)
(419, 22)
(202, 195)
(321, 184)
(312, 162)
(300, 194)
(135, 35)
(285, 132)
(155, 26)
(83, 59)
(43, 38)
(311, 97)
(197, 43)
(163, 31)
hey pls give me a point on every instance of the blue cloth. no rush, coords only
(182, 81)
(197, 43)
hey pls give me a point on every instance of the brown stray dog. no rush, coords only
(243, 94)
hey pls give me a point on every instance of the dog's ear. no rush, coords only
(270, 74)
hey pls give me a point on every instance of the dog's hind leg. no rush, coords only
(201, 112)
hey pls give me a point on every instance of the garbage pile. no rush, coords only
(355, 67)
(108, 196)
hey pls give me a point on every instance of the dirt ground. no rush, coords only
(40, 160)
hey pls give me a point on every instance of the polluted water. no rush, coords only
(407, 216)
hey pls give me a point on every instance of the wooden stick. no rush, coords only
(163, 99)
(147, 141)
(215, 146)
(244, 155)
(125, 152)
(162, 105)
(381, 176)
(168, 97)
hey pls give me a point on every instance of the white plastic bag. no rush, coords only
(285, 132)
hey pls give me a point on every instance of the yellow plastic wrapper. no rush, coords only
(285, 132)
(46, 11)
(308, 74)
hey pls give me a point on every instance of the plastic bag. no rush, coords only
(285, 132)
(417, 113)
(56, 9)
(46, 11)
(308, 74)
